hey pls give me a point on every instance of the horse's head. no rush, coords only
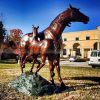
(35, 29)
(77, 16)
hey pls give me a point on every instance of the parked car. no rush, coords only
(77, 59)
(72, 58)
(95, 58)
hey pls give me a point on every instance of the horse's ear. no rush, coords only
(32, 26)
(37, 27)
(70, 6)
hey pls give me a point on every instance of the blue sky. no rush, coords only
(23, 13)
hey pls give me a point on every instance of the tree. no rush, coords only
(15, 35)
(2, 33)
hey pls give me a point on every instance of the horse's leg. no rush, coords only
(57, 60)
(43, 59)
(34, 61)
(28, 56)
(58, 70)
(37, 61)
(31, 70)
(23, 56)
(51, 67)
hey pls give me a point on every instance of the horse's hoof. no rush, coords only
(30, 71)
(53, 74)
(63, 86)
(22, 70)
(35, 75)
(52, 81)
(37, 67)
(23, 66)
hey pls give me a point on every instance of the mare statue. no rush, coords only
(51, 35)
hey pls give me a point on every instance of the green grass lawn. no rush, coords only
(83, 83)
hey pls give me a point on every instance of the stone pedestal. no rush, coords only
(33, 85)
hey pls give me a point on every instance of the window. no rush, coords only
(65, 39)
(64, 51)
(77, 38)
(94, 54)
(99, 54)
(87, 37)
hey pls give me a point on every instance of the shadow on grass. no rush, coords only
(84, 85)
(95, 79)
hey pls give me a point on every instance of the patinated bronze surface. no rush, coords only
(50, 36)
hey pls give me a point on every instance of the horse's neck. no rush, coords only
(59, 23)
(57, 28)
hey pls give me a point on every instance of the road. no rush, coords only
(79, 64)
(74, 64)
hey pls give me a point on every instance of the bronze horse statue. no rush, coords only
(24, 45)
(51, 35)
